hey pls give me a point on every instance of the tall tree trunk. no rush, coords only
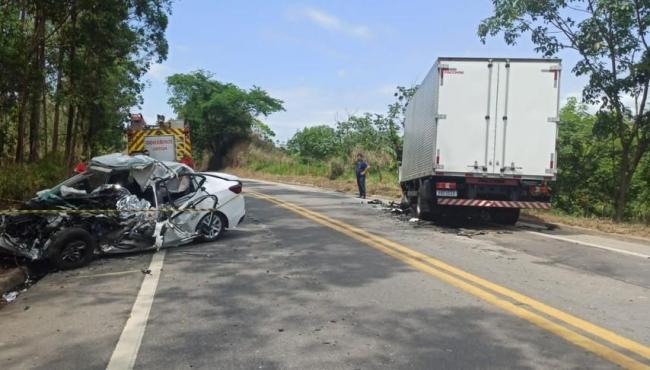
(20, 139)
(37, 88)
(57, 103)
(33, 126)
(20, 129)
(73, 140)
(630, 159)
(44, 120)
(69, 133)
(69, 145)
(620, 202)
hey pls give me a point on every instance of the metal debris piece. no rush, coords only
(10, 296)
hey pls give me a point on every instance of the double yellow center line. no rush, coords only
(563, 325)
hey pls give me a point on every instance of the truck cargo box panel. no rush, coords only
(486, 117)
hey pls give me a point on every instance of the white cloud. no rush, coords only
(159, 71)
(333, 23)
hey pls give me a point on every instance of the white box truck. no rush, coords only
(480, 136)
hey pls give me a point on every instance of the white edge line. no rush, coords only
(126, 350)
(622, 251)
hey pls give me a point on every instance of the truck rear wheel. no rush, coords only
(505, 216)
(423, 205)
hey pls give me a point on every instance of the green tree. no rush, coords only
(609, 36)
(263, 131)
(219, 114)
(316, 142)
(87, 57)
(586, 170)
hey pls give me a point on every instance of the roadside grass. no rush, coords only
(19, 182)
(344, 184)
(266, 162)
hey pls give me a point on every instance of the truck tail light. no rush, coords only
(552, 163)
(446, 185)
(236, 188)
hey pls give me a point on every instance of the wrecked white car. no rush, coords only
(122, 204)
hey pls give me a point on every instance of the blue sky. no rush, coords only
(325, 60)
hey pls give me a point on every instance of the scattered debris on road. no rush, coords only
(470, 233)
(10, 296)
(465, 227)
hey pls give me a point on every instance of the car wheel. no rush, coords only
(71, 248)
(211, 227)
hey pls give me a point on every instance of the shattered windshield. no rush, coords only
(84, 182)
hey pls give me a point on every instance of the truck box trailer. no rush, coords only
(480, 135)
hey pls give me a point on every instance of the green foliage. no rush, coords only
(609, 38)
(263, 131)
(278, 162)
(316, 142)
(376, 135)
(337, 169)
(586, 183)
(369, 133)
(21, 181)
(74, 68)
(218, 113)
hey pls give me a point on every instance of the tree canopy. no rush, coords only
(316, 142)
(219, 113)
(76, 64)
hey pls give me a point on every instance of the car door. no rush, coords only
(188, 200)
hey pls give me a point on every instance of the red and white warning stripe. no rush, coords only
(492, 203)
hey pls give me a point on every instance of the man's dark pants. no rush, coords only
(361, 183)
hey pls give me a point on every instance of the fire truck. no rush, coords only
(165, 141)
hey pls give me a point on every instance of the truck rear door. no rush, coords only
(526, 128)
(497, 118)
(466, 94)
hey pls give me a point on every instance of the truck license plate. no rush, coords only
(446, 193)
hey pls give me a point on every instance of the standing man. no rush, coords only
(361, 169)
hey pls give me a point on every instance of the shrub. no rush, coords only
(336, 170)
(22, 181)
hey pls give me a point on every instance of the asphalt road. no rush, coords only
(316, 279)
